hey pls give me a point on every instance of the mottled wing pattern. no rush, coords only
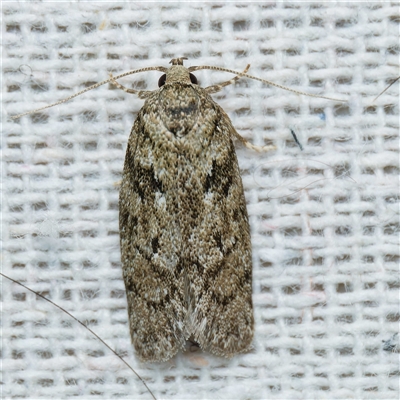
(185, 239)
(150, 251)
(220, 315)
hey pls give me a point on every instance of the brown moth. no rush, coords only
(184, 229)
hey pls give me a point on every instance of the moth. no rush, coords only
(184, 229)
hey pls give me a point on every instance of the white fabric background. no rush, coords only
(324, 221)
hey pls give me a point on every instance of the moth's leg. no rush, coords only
(140, 93)
(250, 146)
(219, 86)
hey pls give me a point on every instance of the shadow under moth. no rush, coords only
(184, 229)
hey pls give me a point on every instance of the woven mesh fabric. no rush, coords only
(324, 220)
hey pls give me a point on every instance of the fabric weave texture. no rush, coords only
(324, 221)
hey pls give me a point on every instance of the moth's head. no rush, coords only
(177, 73)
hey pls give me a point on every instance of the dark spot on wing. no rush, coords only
(154, 245)
(220, 178)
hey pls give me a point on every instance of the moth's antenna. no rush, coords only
(383, 91)
(191, 69)
(161, 69)
(93, 333)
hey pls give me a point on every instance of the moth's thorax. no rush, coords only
(179, 107)
(177, 73)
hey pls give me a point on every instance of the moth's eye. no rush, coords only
(161, 81)
(193, 79)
